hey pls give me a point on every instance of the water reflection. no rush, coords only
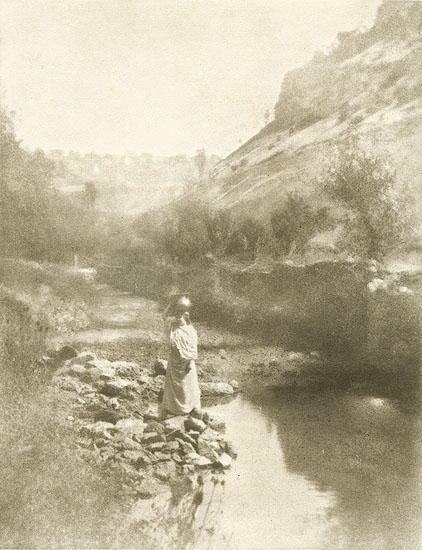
(322, 472)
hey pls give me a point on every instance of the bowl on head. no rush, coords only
(181, 304)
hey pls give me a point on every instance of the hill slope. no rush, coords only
(371, 81)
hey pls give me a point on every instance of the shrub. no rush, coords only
(364, 184)
(296, 222)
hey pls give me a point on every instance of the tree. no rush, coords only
(90, 193)
(296, 222)
(364, 183)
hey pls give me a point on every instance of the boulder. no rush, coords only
(215, 389)
(158, 446)
(194, 424)
(126, 443)
(211, 435)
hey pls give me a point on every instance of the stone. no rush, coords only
(224, 461)
(135, 456)
(194, 424)
(216, 423)
(186, 447)
(151, 413)
(67, 384)
(98, 429)
(229, 449)
(235, 385)
(83, 358)
(131, 426)
(66, 352)
(160, 367)
(155, 426)
(170, 447)
(206, 450)
(215, 389)
(315, 355)
(186, 437)
(154, 447)
(202, 462)
(165, 471)
(174, 423)
(115, 387)
(105, 415)
(152, 437)
(126, 369)
(126, 443)
(211, 435)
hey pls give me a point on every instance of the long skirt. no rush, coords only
(181, 389)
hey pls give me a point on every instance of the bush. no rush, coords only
(377, 208)
(296, 222)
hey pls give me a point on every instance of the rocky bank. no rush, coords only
(113, 410)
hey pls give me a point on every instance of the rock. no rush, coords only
(174, 423)
(67, 384)
(170, 447)
(151, 413)
(202, 462)
(235, 385)
(216, 423)
(105, 415)
(315, 355)
(194, 424)
(215, 389)
(186, 437)
(185, 447)
(98, 429)
(83, 358)
(211, 435)
(222, 353)
(295, 356)
(126, 369)
(159, 367)
(135, 456)
(66, 352)
(165, 471)
(224, 461)
(155, 426)
(206, 450)
(154, 447)
(229, 449)
(273, 362)
(126, 443)
(131, 426)
(152, 437)
(115, 387)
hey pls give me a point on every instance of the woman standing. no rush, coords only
(181, 388)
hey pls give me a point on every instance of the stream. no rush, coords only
(330, 471)
(325, 472)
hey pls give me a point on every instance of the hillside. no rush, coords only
(370, 82)
(126, 184)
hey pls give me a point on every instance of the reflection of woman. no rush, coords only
(181, 388)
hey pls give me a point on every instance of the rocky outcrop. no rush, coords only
(114, 413)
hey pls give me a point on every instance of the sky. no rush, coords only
(164, 77)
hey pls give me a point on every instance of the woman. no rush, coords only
(181, 388)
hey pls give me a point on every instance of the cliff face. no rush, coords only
(370, 81)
